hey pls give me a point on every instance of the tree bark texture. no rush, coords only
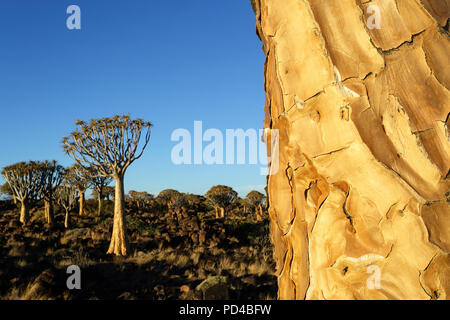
(82, 202)
(359, 206)
(119, 239)
(49, 212)
(24, 213)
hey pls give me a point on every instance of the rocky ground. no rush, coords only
(183, 255)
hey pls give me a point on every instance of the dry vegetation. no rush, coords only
(172, 250)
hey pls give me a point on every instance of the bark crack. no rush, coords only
(408, 42)
(347, 214)
(331, 152)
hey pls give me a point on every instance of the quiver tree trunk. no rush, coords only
(100, 204)
(82, 202)
(49, 212)
(67, 221)
(138, 207)
(24, 212)
(222, 212)
(119, 239)
(259, 213)
(358, 206)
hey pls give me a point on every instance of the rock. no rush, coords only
(360, 116)
(166, 236)
(43, 287)
(74, 235)
(14, 224)
(140, 254)
(250, 280)
(233, 240)
(185, 289)
(202, 237)
(96, 235)
(213, 288)
(194, 238)
(126, 296)
(160, 292)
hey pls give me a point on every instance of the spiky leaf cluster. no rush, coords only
(166, 195)
(255, 198)
(139, 195)
(26, 179)
(221, 196)
(54, 174)
(109, 145)
(67, 196)
(79, 177)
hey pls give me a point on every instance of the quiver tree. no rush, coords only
(80, 178)
(244, 204)
(178, 202)
(139, 198)
(166, 195)
(99, 183)
(26, 180)
(110, 146)
(53, 175)
(256, 200)
(67, 196)
(221, 197)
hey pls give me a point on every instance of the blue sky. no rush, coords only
(169, 62)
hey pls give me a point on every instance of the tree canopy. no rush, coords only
(166, 195)
(79, 177)
(221, 196)
(255, 198)
(109, 145)
(26, 179)
(53, 175)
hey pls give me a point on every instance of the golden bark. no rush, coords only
(49, 213)
(359, 206)
(82, 201)
(67, 223)
(119, 239)
(24, 213)
(100, 206)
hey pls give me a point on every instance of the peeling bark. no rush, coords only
(364, 150)
(24, 213)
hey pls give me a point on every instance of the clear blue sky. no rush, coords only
(169, 62)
